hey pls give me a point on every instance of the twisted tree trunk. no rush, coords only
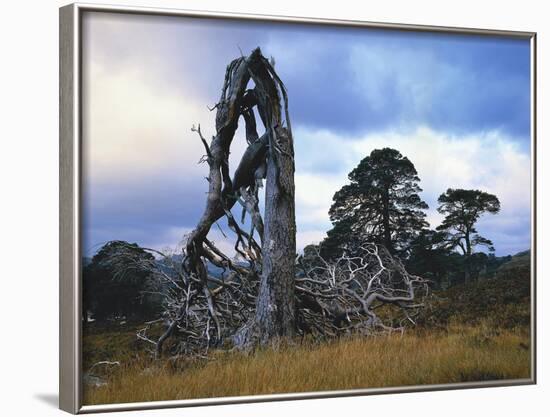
(274, 315)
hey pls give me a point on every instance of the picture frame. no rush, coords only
(71, 204)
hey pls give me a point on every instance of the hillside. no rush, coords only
(500, 301)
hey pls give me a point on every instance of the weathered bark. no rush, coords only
(275, 305)
(275, 309)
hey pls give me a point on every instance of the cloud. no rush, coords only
(360, 81)
(308, 237)
(131, 128)
(171, 49)
(313, 199)
(462, 93)
(490, 161)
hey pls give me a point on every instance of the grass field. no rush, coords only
(460, 354)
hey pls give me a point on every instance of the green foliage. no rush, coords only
(462, 209)
(116, 283)
(429, 258)
(381, 204)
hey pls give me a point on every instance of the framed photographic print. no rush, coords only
(256, 208)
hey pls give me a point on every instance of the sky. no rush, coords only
(458, 106)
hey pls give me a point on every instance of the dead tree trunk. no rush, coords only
(275, 310)
(274, 313)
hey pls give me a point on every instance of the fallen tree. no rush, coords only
(366, 294)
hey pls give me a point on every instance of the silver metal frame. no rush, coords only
(70, 381)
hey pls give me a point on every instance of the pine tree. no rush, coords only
(381, 204)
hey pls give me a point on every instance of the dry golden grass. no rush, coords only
(459, 354)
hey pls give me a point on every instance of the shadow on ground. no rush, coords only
(50, 399)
